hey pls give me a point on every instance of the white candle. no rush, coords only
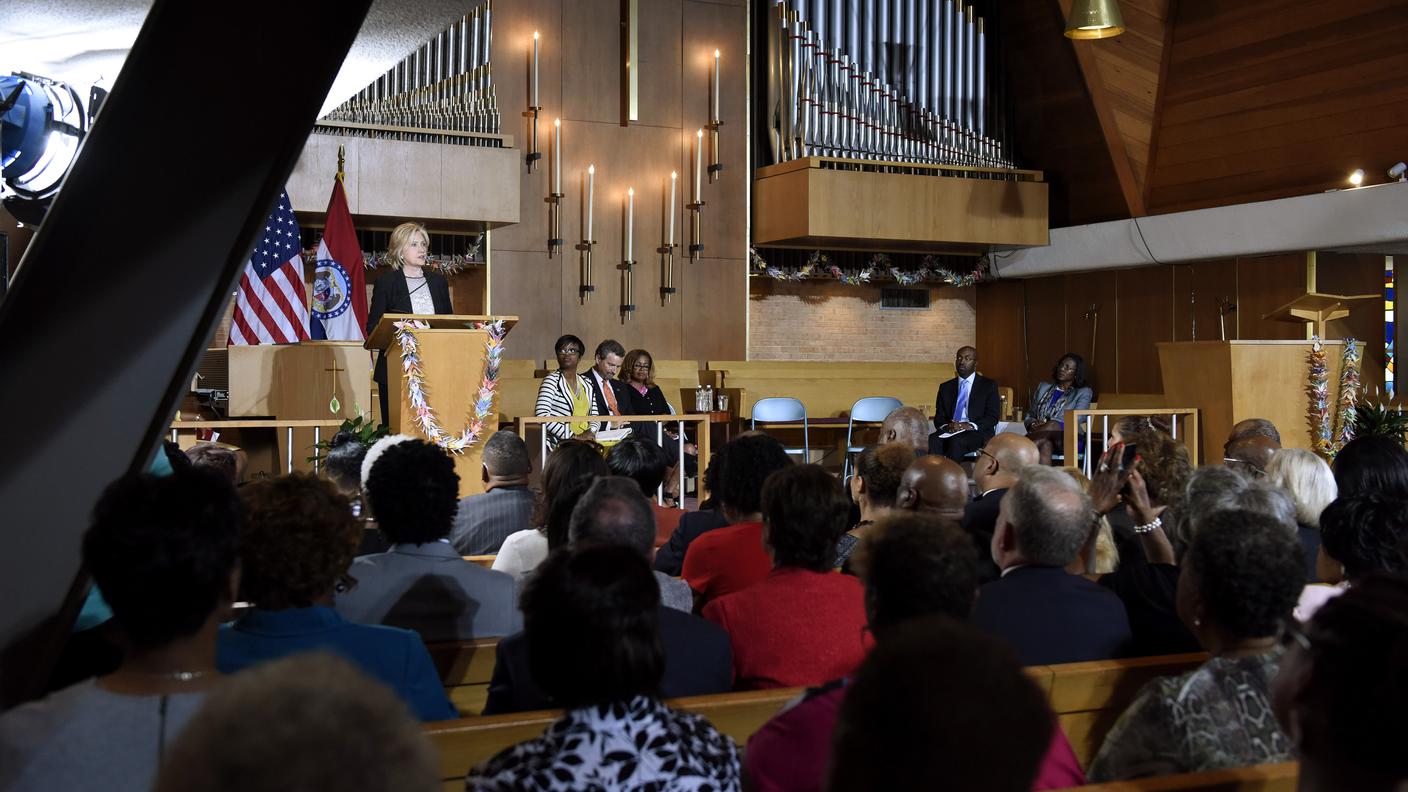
(630, 220)
(534, 102)
(715, 103)
(557, 155)
(698, 164)
(591, 189)
(670, 213)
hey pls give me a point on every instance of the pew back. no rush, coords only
(1259, 778)
(518, 388)
(465, 670)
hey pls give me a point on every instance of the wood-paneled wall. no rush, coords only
(579, 82)
(1024, 326)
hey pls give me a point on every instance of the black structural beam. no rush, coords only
(123, 284)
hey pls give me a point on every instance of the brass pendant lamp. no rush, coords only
(1094, 19)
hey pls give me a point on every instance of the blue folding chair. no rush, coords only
(783, 409)
(870, 410)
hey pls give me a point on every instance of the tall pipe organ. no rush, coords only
(894, 80)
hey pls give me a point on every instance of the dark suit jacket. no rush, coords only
(618, 389)
(698, 662)
(980, 521)
(670, 557)
(984, 408)
(390, 295)
(1050, 616)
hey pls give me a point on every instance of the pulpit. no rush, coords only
(451, 353)
(1230, 381)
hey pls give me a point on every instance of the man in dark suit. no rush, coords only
(698, 655)
(999, 462)
(1046, 614)
(608, 392)
(966, 409)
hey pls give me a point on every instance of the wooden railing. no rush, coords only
(317, 425)
(1093, 427)
(700, 421)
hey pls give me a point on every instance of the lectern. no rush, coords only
(1230, 381)
(452, 360)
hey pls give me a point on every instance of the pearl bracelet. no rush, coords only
(1149, 528)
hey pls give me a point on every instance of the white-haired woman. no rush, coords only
(1311, 485)
(411, 288)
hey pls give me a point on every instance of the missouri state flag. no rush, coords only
(339, 311)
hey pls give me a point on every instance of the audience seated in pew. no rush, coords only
(421, 583)
(801, 624)
(1251, 454)
(938, 705)
(906, 425)
(225, 461)
(914, 565)
(994, 472)
(1374, 463)
(966, 409)
(874, 488)
(1362, 536)
(311, 721)
(1161, 474)
(1340, 694)
(646, 463)
(1249, 427)
(505, 507)
(343, 464)
(1241, 576)
(591, 617)
(732, 558)
(1098, 556)
(298, 540)
(669, 558)
(936, 485)
(1046, 614)
(570, 469)
(1310, 483)
(698, 660)
(165, 553)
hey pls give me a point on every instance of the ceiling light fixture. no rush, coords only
(1094, 19)
(1357, 177)
(42, 122)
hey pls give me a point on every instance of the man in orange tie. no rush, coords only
(609, 392)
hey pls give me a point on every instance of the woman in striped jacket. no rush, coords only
(565, 392)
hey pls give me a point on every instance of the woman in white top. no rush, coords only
(565, 392)
(412, 288)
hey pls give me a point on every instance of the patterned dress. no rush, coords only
(1216, 716)
(639, 745)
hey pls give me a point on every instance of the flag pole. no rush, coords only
(341, 161)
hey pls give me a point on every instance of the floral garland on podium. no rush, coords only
(415, 385)
(1330, 430)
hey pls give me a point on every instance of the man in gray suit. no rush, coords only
(506, 504)
(422, 583)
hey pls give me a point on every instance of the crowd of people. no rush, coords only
(258, 630)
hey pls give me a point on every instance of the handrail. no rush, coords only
(287, 425)
(522, 423)
(1077, 424)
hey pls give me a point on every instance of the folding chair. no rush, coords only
(869, 410)
(783, 409)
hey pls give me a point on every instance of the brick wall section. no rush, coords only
(826, 320)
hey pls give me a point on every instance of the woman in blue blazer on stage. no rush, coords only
(1069, 389)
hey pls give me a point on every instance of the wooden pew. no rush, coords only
(1086, 697)
(465, 669)
(1259, 778)
(486, 561)
(518, 388)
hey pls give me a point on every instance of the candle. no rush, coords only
(715, 87)
(534, 102)
(591, 189)
(698, 164)
(670, 213)
(557, 156)
(630, 220)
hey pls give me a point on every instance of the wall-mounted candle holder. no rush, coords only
(584, 248)
(533, 110)
(667, 244)
(554, 199)
(628, 233)
(715, 166)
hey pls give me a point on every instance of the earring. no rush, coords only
(1197, 622)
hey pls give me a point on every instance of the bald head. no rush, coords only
(934, 484)
(1002, 459)
(1250, 427)
(906, 425)
(1253, 450)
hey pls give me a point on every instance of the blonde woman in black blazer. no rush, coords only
(409, 286)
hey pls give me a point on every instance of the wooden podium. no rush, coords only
(452, 362)
(1230, 381)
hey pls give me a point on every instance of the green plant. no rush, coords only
(1380, 419)
(366, 432)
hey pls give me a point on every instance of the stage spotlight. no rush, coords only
(42, 122)
(1357, 177)
(1397, 172)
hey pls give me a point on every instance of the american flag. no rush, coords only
(271, 306)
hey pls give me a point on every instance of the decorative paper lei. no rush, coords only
(1318, 391)
(415, 385)
(1349, 394)
(877, 268)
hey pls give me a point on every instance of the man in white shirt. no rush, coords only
(610, 393)
(966, 409)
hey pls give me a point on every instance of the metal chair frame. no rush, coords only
(775, 409)
(867, 410)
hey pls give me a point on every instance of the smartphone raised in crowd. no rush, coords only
(1127, 458)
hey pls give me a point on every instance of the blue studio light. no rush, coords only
(42, 122)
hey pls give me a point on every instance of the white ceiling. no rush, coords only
(84, 42)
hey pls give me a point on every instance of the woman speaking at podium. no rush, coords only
(411, 288)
